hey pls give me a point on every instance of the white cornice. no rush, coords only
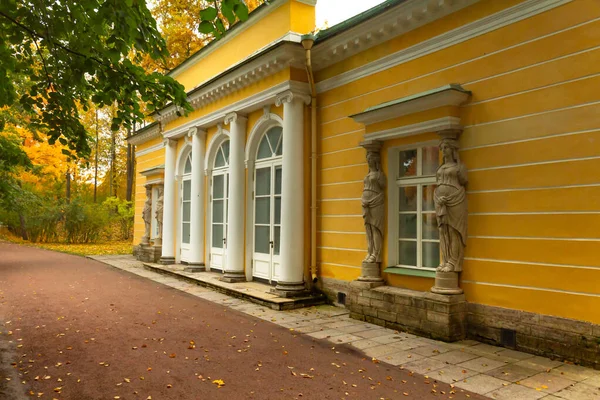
(434, 125)
(150, 149)
(245, 106)
(404, 17)
(158, 181)
(449, 95)
(285, 55)
(159, 169)
(151, 133)
(461, 34)
(308, 2)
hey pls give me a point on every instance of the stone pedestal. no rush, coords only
(147, 253)
(446, 283)
(233, 276)
(194, 268)
(370, 273)
(289, 290)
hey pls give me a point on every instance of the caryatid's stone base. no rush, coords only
(147, 252)
(370, 275)
(446, 283)
(167, 260)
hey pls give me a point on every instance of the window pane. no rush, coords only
(407, 253)
(263, 210)
(274, 135)
(277, 233)
(431, 254)
(185, 232)
(218, 183)
(225, 147)
(407, 227)
(187, 190)
(278, 210)
(264, 151)
(278, 172)
(431, 160)
(218, 210)
(263, 181)
(408, 163)
(217, 236)
(428, 204)
(186, 211)
(188, 165)
(430, 228)
(220, 159)
(407, 200)
(261, 239)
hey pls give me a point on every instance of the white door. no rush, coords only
(267, 220)
(219, 197)
(186, 207)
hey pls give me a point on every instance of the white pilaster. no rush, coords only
(196, 259)
(168, 236)
(234, 268)
(291, 276)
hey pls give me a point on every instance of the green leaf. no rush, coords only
(241, 10)
(208, 14)
(206, 27)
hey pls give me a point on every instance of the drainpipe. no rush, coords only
(307, 42)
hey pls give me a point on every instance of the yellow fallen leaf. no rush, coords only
(219, 382)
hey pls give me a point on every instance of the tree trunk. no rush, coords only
(68, 176)
(23, 229)
(129, 192)
(113, 160)
(96, 166)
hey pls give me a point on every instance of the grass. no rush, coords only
(83, 249)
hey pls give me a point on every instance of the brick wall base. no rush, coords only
(544, 335)
(427, 314)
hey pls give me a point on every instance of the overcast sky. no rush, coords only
(336, 11)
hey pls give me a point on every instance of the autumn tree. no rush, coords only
(76, 51)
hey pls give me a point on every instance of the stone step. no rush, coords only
(255, 292)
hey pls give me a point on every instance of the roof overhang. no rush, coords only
(157, 170)
(145, 134)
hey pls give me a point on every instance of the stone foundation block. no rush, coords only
(147, 253)
(424, 313)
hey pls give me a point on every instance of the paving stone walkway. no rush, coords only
(494, 372)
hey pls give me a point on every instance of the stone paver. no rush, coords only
(495, 372)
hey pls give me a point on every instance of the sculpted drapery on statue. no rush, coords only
(159, 213)
(147, 215)
(451, 207)
(373, 205)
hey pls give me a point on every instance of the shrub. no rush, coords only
(84, 223)
(120, 213)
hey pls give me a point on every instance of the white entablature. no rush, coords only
(402, 18)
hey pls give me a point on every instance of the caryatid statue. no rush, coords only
(373, 205)
(159, 215)
(451, 211)
(147, 215)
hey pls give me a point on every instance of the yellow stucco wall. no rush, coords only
(531, 144)
(284, 17)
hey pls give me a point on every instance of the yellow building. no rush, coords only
(268, 178)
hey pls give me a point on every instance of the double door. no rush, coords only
(186, 208)
(219, 210)
(267, 220)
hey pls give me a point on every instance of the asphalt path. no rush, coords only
(74, 328)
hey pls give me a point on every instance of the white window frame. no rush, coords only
(394, 183)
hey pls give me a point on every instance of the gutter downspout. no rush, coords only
(307, 42)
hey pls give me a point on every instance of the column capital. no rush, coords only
(453, 133)
(288, 96)
(372, 145)
(168, 142)
(233, 117)
(196, 131)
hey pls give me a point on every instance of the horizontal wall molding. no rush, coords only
(533, 188)
(534, 139)
(531, 288)
(150, 149)
(530, 263)
(466, 32)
